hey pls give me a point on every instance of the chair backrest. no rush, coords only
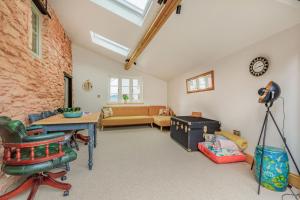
(34, 117)
(196, 114)
(11, 131)
(47, 114)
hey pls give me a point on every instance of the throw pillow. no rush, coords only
(164, 112)
(107, 112)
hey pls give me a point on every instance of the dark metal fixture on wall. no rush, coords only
(178, 10)
(42, 5)
(160, 2)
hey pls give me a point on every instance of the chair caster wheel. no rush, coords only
(66, 193)
(63, 178)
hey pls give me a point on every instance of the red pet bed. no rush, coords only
(217, 157)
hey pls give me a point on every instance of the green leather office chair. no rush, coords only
(33, 156)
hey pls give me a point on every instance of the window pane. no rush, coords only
(193, 84)
(35, 32)
(34, 22)
(135, 82)
(114, 82)
(114, 90)
(136, 90)
(114, 97)
(125, 82)
(135, 97)
(125, 90)
(141, 4)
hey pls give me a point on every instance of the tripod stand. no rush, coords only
(263, 137)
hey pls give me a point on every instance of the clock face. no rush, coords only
(259, 66)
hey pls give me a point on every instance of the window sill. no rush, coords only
(124, 104)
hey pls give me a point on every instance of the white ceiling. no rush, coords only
(206, 30)
(79, 17)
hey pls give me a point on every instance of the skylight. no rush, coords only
(139, 6)
(134, 11)
(109, 44)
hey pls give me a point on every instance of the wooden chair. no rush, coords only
(33, 156)
(196, 114)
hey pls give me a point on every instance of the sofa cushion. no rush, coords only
(162, 120)
(107, 112)
(164, 112)
(130, 111)
(127, 120)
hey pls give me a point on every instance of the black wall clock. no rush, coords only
(259, 66)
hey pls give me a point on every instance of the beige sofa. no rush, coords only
(135, 115)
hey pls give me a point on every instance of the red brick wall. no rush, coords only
(29, 84)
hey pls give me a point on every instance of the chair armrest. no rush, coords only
(13, 151)
(33, 127)
(35, 132)
(36, 138)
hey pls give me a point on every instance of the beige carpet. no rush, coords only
(142, 163)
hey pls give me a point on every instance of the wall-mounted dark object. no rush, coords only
(160, 2)
(42, 5)
(178, 10)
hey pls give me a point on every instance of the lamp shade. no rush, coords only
(270, 93)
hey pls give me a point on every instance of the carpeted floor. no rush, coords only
(141, 163)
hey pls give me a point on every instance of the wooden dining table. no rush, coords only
(86, 121)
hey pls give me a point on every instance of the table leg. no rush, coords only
(91, 145)
(95, 136)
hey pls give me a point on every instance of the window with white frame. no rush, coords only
(120, 87)
(36, 31)
(134, 11)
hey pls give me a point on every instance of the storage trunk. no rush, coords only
(188, 131)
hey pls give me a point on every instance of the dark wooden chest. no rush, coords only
(188, 131)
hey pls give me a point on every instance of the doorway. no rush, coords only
(68, 90)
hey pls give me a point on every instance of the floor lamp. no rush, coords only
(267, 96)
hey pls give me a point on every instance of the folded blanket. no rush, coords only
(240, 142)
(227, 144)
(220, 151)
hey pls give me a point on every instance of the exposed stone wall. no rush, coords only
(29, 84)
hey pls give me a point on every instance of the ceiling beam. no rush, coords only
(153, 29)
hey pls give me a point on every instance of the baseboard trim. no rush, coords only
(294, 179)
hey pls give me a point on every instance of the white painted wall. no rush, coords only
(235, 100)
(90, 66)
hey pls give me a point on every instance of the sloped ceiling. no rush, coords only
(204, 32)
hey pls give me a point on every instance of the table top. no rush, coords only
(60, 119)
(192, 119)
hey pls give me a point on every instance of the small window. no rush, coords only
(36, 31)
(109, 44)
(134, 11)
(130, 87)
(203, 82)
(138, 6)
